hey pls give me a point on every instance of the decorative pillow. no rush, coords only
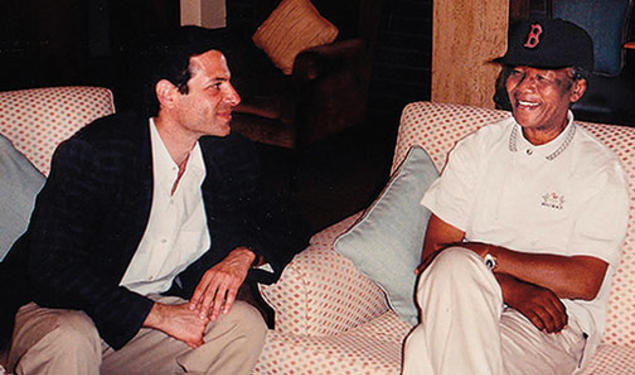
(293, 26)
(385, 243)
(19, 185)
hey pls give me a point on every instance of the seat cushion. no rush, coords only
(372, 348)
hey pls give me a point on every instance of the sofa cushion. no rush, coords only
(385, 244)
(293, 26)
(371, 348)
(19, 185)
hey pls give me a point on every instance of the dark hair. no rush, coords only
(167, 56)
(501, 99)
(579, 73)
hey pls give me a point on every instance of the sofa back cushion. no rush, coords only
(19, 184)
(37, 120)
(438, 126)
(385, 242)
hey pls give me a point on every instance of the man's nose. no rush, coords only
(232, 96)
(528, 81)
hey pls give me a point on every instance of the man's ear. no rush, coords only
(166, 93)
(578, 88)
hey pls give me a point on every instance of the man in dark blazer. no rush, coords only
(137, 208)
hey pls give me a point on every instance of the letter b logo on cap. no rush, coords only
(533, 38)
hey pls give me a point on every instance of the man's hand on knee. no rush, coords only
(178, 321)
(219, 285)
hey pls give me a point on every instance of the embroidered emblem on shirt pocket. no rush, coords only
(553, 200)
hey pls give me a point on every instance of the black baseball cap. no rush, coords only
(548, 44)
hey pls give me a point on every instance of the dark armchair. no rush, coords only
(325, 92)
(328, 87)
(610, 95)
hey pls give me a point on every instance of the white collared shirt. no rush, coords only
(567, 197)
(176, 233)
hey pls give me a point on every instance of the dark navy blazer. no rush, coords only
(91, 214)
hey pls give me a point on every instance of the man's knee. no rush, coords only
(73, 335)
(232, 344)
(59, 335)
(460, 272)
(77, 330)
(455, 261)
(250, 322)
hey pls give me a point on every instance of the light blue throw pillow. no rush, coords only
(19, 184)
(385, 244)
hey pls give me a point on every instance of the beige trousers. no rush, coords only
(55, 341)
(466, 329)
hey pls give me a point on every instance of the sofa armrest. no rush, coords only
(314, 62)
(37, 120)
(321, 292)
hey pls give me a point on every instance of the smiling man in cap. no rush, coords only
(527, 221)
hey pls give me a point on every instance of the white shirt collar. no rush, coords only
(164, 168)
(550, 150)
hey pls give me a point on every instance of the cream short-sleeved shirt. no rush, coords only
(567, 197)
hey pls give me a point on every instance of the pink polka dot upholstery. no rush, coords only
(437, 127)
(371, 348)
(321, 292)
(611, 360)
(330, 319)
(37, 120)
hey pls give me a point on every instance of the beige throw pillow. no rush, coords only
(293, 26)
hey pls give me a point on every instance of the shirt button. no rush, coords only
(529, 151)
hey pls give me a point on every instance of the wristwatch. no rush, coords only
(490, 261)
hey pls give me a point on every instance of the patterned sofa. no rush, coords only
(330, 319)
(37, 120)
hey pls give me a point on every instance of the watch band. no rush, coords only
(490, 261)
